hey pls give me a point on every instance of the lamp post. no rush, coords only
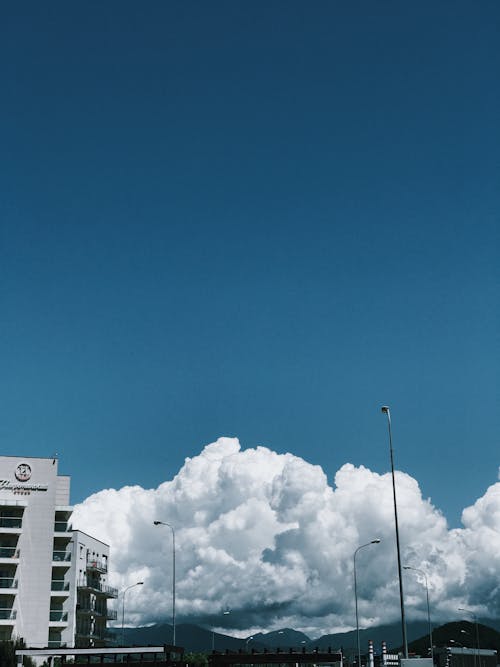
(468, 611)
(164, 523)
(386, 411)
(139, 583)
(453, 641)
(407, 567)
(225, 613)
(376, 541)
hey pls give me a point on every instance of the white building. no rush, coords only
(89, 570)
(53, 588)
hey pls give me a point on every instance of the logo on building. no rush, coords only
(23, 472)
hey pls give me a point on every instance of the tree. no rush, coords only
(196, 659)
(8, 650)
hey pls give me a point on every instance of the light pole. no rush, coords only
(407, 567)
(164, 523)
(455, 643)
(386, 410)
(452, 641)
(464, 632)
(468, 611)
(376, 541)
(139, 583)
(225, 613)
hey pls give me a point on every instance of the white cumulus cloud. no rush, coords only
(266, 535)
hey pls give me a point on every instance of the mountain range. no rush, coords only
(197, 639)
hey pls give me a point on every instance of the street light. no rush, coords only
(468, 611)
(224, 613)
(139, 583)
(464, 632)
(407, 567)
(386, 411)
(375, 541)
(455, 643)
(164, 523)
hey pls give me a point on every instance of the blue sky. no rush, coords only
(261, 220)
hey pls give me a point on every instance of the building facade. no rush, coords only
(460, 656)
(89, 571)
(53, 580)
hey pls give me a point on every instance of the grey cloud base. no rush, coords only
(264, 535)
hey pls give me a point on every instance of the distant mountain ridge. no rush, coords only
(462, 633)
(195, 638)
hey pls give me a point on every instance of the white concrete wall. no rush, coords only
(41, 493)
(86, 547)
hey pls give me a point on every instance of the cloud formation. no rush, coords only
(265, 535)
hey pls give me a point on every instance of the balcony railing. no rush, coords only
(8, 582)
(97, 586)
(9, 552)
(61, 616)
(62, 527)
(59, 585)
(11, 522)
(61, 556)
(99, 564)
(90, 634)
(8, 614)
(110, 614)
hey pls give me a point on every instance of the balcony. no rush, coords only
(11, 523)
(8, 582)
(9, 553)
(97, 565)
(97, 587)
(8, 615)
(109, 614)
(60, 587)
(61, 557)
(62, 527)
(88, 634)
(58, 616)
